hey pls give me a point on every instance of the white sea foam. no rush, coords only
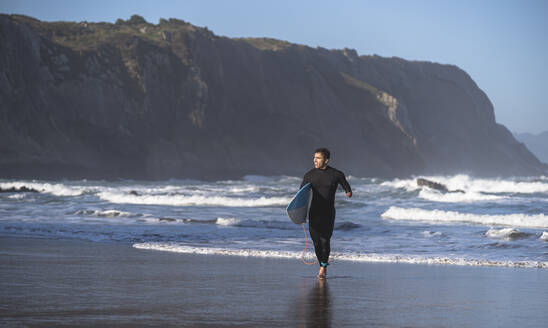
(468, 184)
(429, 234)
(219, 189)
(275, 224)
(57, 189)
(104, 213)
(243, 189)
(456, 197)
(354, 257)
(407, 184)
(508, 186)
(17, 196)
(268, 224)
(544, 236)
(506, 233)
(227, 221)
(417, 214)
(194, 200)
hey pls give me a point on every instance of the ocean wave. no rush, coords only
(507, 234)
(56, 189)
(417, 214)
(194, 200)
(430, 234)
(544, 236)
(407, 184)
(346, 226)
(475, 185)
(17, 196)
(282, 225)
(103, 213)
(456, 197)
(243, 189)
(219, 189)
(228, 221)
(353, 257)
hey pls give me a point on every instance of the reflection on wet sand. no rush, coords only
(314, 305)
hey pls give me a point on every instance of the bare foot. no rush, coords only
(323, 273)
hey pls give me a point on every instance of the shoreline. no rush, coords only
(359, 258)
(65, 282)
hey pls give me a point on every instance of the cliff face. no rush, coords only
(138, 100)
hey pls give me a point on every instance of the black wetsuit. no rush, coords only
(321, 217)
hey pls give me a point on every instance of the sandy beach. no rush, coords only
(48, 282)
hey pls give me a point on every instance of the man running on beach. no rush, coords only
(321, 217)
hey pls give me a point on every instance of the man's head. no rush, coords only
(321, 157)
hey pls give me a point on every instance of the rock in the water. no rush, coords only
(436, 185)
(431, 184)
(20, 189)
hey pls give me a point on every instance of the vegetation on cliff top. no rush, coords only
(81, 36)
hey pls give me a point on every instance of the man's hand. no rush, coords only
(349, 194)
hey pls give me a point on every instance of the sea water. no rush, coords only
(489, 222)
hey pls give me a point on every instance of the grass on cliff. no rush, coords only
(81, 36)
(266, 43)
(86, 36)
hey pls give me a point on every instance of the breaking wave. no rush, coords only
(103, 214)
(56, 189)
(17, 196)
(194, 200)
(456, 197)
(417, 214)
(507, 234)
(473, 185)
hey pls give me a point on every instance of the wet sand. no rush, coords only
(57, 283)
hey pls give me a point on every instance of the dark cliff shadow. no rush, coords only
(313, 305)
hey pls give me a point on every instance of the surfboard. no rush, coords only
(297, 210)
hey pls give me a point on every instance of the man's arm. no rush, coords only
(345, 185)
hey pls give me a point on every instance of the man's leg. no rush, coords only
(322, 248)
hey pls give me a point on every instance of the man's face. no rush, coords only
(320, 162)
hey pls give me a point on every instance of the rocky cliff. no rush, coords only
(139, 100)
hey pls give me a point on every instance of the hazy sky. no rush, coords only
(502, 44)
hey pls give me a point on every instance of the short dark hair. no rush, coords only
(325, 152)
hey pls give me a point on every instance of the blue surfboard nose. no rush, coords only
(297, 210)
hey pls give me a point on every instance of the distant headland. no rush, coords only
(171, 100)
